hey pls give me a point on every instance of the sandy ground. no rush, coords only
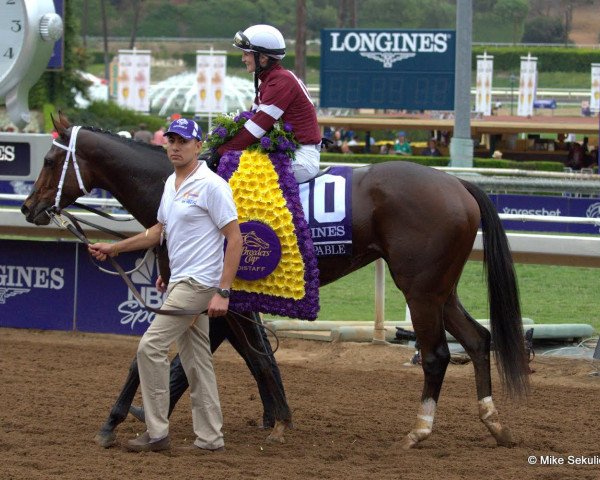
(352, 404)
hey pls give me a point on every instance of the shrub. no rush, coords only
(109, 116)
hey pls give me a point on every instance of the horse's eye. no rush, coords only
(48, 162)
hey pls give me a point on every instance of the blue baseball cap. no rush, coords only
(185, 128)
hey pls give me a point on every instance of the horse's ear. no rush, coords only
(57, 126)
(63, 120)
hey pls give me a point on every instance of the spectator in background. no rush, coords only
(386, 149)
(159, 137)
(402, 145)
(431, 150)
(345, 148)
(143, 134)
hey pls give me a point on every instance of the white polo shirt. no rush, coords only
(192, 218)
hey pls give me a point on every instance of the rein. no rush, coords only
(74, 227)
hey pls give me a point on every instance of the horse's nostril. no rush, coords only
(24, 209)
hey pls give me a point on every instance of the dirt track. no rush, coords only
(352, 404)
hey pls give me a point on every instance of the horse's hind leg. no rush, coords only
(106, 436)
(435, 356)
(475, 339)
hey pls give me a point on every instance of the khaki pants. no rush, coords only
(194, 350)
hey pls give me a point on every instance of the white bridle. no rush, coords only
(70, 155)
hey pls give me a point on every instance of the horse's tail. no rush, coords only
(503, 295)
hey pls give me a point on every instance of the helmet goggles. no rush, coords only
(241, 41)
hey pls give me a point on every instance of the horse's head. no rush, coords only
(46, 188)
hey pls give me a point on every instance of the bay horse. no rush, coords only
(421, 221)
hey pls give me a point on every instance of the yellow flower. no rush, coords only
(258, 196)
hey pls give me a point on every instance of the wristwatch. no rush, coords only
(224, 292)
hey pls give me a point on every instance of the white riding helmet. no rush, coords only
(261, 39)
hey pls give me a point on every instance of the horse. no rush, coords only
(422, 222)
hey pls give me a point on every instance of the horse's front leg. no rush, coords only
(250, 340)
(107, 436)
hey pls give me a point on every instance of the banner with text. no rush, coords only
(527, 86)
(134, 80)
(595, 95)
(211, 68)
(483, 92)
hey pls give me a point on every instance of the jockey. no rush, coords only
(279, 95)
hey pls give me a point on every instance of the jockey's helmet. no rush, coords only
(261, 39)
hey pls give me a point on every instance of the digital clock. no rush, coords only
(388, 69)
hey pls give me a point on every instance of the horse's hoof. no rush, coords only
(407, 443)
(106, 439)
(275, 438)
(504, 439)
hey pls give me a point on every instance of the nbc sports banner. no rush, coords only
(595, 95)
(134, 80)
(211, 68)
(278, 272)
(483, 93)
(527, 86)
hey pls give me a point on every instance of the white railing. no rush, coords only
(567, 250)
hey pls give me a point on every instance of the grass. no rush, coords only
(549, 294)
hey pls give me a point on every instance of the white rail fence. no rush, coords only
(568, 250)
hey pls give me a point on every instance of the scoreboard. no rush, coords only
(395, 69)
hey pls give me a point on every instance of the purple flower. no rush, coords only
(287, 127)
(221, 131)
(265, 142)
(236, 118)
(247, 115)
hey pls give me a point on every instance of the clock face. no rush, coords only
(12, 34)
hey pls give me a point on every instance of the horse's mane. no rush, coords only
(127, 141)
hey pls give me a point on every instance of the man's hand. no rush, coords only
(161, 286)
(218, 306)
(100, 251)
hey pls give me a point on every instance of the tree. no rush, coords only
(544, 30)
(300, 61)
(513, 11)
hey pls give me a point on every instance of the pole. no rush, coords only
(461, 145)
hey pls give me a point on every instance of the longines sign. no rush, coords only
(393, 69)
(22, 155)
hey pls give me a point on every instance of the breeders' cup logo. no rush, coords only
(389, 47)
(593, 211)
(261, 251)
(133, 312)
(18, 279)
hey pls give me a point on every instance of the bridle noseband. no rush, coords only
(70, 155)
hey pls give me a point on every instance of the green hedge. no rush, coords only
(109, 116)
(442, 161)
(550, 59)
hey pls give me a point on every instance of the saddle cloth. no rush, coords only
(327, 205)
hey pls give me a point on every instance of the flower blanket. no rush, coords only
(278, 272)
